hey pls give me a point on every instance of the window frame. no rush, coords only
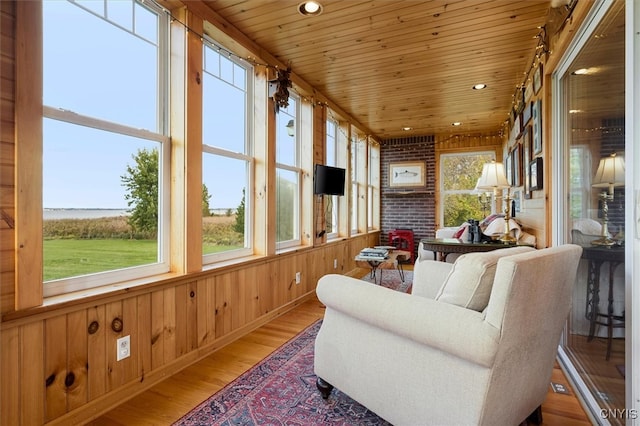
(331, 139)
(373, 186)
(443, 193)
(93, 280)
(296, 168)
(247, 156)
(358, 148)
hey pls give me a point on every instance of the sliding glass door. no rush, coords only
(589, 113)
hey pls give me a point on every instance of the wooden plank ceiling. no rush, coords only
(394, 64)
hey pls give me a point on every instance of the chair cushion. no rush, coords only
(470, 281)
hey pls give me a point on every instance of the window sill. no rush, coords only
(91, 296)
(116, 291)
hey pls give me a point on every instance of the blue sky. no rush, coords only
(97, 69)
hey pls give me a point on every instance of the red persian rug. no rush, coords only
(281, 390)
(391, 279)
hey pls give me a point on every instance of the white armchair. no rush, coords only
(414, 359)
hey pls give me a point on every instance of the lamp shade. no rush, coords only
(610, 172)
(493, 177)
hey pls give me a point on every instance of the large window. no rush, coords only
(331, 201)
(459, 174)
(105, 143)
(227, 156)
(288, 175)
(373, 187)
(358, 182)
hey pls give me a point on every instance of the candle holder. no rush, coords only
(484, 199)
(507, 238)
(605, 239)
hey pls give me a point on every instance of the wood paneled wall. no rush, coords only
(59, 365)
(58, 362)
(7, 148)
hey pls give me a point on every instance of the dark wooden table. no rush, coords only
(446, 246)
(597, 256)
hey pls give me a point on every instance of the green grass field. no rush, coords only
(71, 257)
(65, 258)
(74, 247)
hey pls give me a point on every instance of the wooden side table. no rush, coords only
(597, 256)
(394, 261)
(446, 246)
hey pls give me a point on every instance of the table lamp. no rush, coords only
(494, 178)
(610, 174)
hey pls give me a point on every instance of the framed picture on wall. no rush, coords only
(537, 79)
(407, 173)
(536, 117)
(526, 114)
(516, 129)
(516, 165)
(516, 197)
(535, 174)
(526, 159)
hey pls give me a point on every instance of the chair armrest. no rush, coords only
(458, 331)
(428, 276)
(424, 254)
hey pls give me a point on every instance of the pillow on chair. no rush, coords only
(469, 283)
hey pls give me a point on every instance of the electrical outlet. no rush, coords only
(123, 348)
(335, 263)
(297, 277)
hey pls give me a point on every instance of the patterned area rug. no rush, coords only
(281, 390)
(391, 279)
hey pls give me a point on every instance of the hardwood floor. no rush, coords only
(174, 397)
(605, 377)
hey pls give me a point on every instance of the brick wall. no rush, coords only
(408, 208)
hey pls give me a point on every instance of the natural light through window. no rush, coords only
(226, 157)
(331, 201)
(288, 175)
(459, 174)
(105, 144)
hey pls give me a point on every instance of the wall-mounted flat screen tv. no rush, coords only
(328, 180)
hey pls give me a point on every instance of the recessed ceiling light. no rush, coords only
(310, 8)
(456, 123)
(407, 128)
(479, 86)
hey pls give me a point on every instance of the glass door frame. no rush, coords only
(560, 173)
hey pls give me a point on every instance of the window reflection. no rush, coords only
(594, 89)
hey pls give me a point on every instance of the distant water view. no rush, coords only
(53, 214)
